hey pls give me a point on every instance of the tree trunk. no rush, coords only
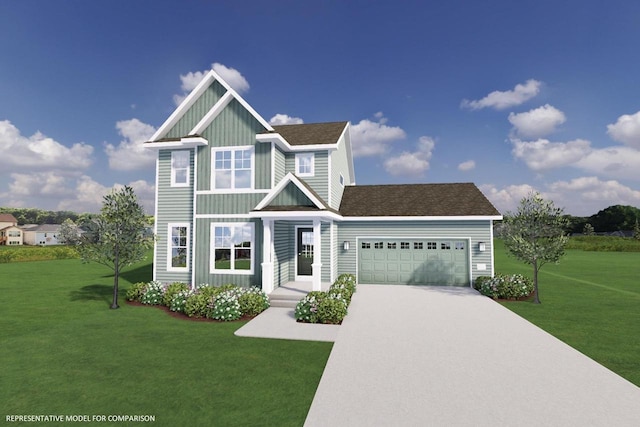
(536, 294)
(116, 274)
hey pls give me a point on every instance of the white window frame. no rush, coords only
(212, 255)
(312, 159)
(341, 180)
(170, 246)
(174, 155)
(233, 188)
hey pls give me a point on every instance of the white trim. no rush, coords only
(212, 248)
(190, 142)
(188, 102)
(273, 165)
(294, 215)
(174, 169)
(421, 218)
(284, 145)
(212, 113)
(193, 215)
(332, 251)
(298, 278)
(350, 165)
(312, 166)
(289, 178)
(170, 226)
(232, 191)
(233, 188)
(155, 222)
(329, 179)
(492, 255)
(221, 216)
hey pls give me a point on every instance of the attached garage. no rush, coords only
(411, 261)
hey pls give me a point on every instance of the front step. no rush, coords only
(287, 301)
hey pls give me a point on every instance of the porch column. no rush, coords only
(317, 257)
(267, 256)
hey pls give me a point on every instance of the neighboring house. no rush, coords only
(241, 201)
(42, 235)
(10, 233)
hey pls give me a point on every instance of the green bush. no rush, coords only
(6, 256)
(197, 304)
(171, 291)
(37, 253)
(225, 305)
(478, 283)
(136, 291)
(179, 300)
(253, 301)
(331, 310)
(603, 244)
(153, 294)
(307, 309)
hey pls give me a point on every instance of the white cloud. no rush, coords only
(369, 138)
(617, 162)
(626, 130)
(467, 166)
(412, 163)
(39, 152)
(506, 199)
(232, 76)
(500, 100)
(543, 154)
(537, 122)
(283, 119)
(131, 154)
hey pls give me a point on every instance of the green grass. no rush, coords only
(63, 351)
(591, 301)
(604, 243)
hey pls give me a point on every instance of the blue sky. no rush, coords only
(513, 96)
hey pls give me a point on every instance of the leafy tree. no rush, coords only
(636, 230)
(615, 218)
(69, 232)
(116, 237)
(588, 230)
(535, 234)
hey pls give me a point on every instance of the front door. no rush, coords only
(305, 251)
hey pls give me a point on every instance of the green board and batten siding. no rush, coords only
(472, 232)
(319, 180)
(175, 204)
(197, 111)
(339, 165)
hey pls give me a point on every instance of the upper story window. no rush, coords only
(233, 168)
(180, 168)
(304, 164)
(341, 180)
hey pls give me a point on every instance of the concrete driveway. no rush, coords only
(436, 356)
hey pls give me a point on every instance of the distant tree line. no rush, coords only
(40, 216)
(613, 218)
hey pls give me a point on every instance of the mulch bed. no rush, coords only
(183, 316)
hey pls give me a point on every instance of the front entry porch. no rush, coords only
(290, 293)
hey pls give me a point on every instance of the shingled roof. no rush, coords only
(311, 133)
(463, 199)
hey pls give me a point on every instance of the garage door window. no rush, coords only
(445, 245)
(378, 245)
(405, 245)
(459, 246)
(391, 245)
(366, 245)
(417, 245)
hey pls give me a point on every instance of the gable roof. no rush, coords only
(311, 133)
(8, 218)
(416, 200)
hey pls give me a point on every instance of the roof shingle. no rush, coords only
(311, 133)
(458, 199)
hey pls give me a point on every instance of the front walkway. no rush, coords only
(436, 356)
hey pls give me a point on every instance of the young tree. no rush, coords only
(535, 234)
(116, 237)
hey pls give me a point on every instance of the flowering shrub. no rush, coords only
(504, 286)
(153, 293)
(253, 301)
(197, 304)
(307, 308)
(171, 290)
(332, 309)
(136, 291)
(225, 306)
(345, 286)
(179, 301)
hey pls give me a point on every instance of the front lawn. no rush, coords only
(591, 301)
(63, 351)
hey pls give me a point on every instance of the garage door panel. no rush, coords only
(414, 261)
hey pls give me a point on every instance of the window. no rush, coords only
(366, 245)
(459, 245)
(405, 245)
(445, 245)
(378, 245)
(391, 245)
(232, 248)
(432, 245)
(180, 168)
(341, 180)
(13, 233)
(417, 245)
(178, 250)
(304, 164)
(233, 168)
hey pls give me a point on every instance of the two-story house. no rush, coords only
(241, 201)
(10, 233)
